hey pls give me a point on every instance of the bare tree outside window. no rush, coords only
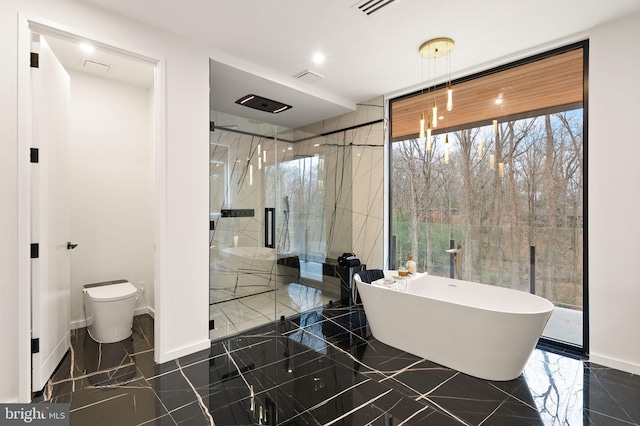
(536, 202)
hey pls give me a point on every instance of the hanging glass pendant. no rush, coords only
(446, 149)
(434, 119)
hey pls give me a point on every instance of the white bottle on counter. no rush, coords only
(411, 265)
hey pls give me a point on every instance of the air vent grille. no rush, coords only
(91, 65)
(308, 76)
(370, 7)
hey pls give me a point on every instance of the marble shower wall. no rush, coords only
(358, 199)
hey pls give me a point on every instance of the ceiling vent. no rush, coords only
(370, 7)
(308, 76)
(263, 104)
(95, 66)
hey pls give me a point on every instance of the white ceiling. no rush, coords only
(258, 46)
(104, 63)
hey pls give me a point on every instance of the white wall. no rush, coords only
(181, 297)
(112, 187)
(614, 198)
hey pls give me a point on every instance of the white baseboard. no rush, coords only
(150, 311)
(185, 350)
(78, 324)
(615, 363)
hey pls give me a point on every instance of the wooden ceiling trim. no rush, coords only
(539, 85)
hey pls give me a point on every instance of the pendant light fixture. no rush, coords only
(432, 49)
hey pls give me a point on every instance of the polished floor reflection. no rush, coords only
(241, 308)
(323, 367)
(246, 312)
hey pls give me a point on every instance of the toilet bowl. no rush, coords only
(109, 310)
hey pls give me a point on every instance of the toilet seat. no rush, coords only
(111, 292)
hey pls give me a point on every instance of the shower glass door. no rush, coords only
(243, 260)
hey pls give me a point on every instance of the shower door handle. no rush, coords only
(269, 227)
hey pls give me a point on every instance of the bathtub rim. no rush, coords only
(549, 306)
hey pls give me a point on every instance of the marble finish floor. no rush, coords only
(323, 367)
(249, 307)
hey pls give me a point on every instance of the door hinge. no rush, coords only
(35, 250)
(35, 345)
(34, 156)
(211, 325)
(35, 60)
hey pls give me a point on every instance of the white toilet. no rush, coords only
(109, 310)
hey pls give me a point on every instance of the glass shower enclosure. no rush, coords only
(268, 225)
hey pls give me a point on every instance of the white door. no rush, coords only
(50, 280)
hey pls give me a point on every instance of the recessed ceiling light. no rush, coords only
(318, 58)
(87, 48)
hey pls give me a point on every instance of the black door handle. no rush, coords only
(71, 246)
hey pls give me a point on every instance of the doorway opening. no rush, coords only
(108, 132)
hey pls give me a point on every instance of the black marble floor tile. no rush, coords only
(467, 398)
(324, 367)
(420, 378)
(591, 418)
(612, 393)
(91, 364)
(518, 389)
(513, 413)
(173, 389)
(127, 404)
(145, 363)
(383, 358)
(192, 414)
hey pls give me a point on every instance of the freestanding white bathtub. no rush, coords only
(481, 330)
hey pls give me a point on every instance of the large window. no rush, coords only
(507, 188)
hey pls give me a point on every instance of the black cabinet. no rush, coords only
(330, 268)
